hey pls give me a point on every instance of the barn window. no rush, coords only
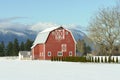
(53, 33)
(40, 54)
(70, 53)
(64, 47)
(66, 33)
(49, 53)
(60, 53)
(59, 34)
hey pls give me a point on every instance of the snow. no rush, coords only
(6, 31)
(37, 27)
(42, 26)
(14, 69)
(49, 29)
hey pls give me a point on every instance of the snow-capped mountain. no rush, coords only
(30, 32)
(7, 35)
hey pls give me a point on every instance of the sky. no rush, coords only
(78, 12)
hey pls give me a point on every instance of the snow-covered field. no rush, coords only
(47, 70)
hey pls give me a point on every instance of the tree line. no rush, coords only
(13, 48)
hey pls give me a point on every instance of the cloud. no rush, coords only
(9, 24)
(11, 19)
(41, 26)
(15, 26)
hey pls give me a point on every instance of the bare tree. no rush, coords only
(104, 28)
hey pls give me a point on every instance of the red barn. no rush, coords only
(55, 41)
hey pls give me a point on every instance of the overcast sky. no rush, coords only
(60, 12)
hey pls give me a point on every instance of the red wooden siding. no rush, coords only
(39, 51)
(54, 45)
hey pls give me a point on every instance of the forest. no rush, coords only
(13, 48)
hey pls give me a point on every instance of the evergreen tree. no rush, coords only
(22, 46)
(3, 46)
(2, 49)
(88, 49)
(15, 47)
(9, 49)
(28, 45)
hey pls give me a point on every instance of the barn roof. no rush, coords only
(43, 35)
(24, 53)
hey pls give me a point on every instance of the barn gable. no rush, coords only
(42, 36)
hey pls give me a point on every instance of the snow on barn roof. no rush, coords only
(43, 35)
(49, 29)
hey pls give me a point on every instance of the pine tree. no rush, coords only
(9, 49)
(2, 49)
(15, 47)
(88, 49)
(28, 45)
(3, 46)
(22, 46)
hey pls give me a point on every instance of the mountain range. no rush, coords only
(9, 34)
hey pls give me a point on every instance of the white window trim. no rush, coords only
(49, 52)
(66, 33)
(70, 53)
(53, 33)
(58, 35)
(40, 54)
(60, 52)
(33, 53)
(64, 46)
